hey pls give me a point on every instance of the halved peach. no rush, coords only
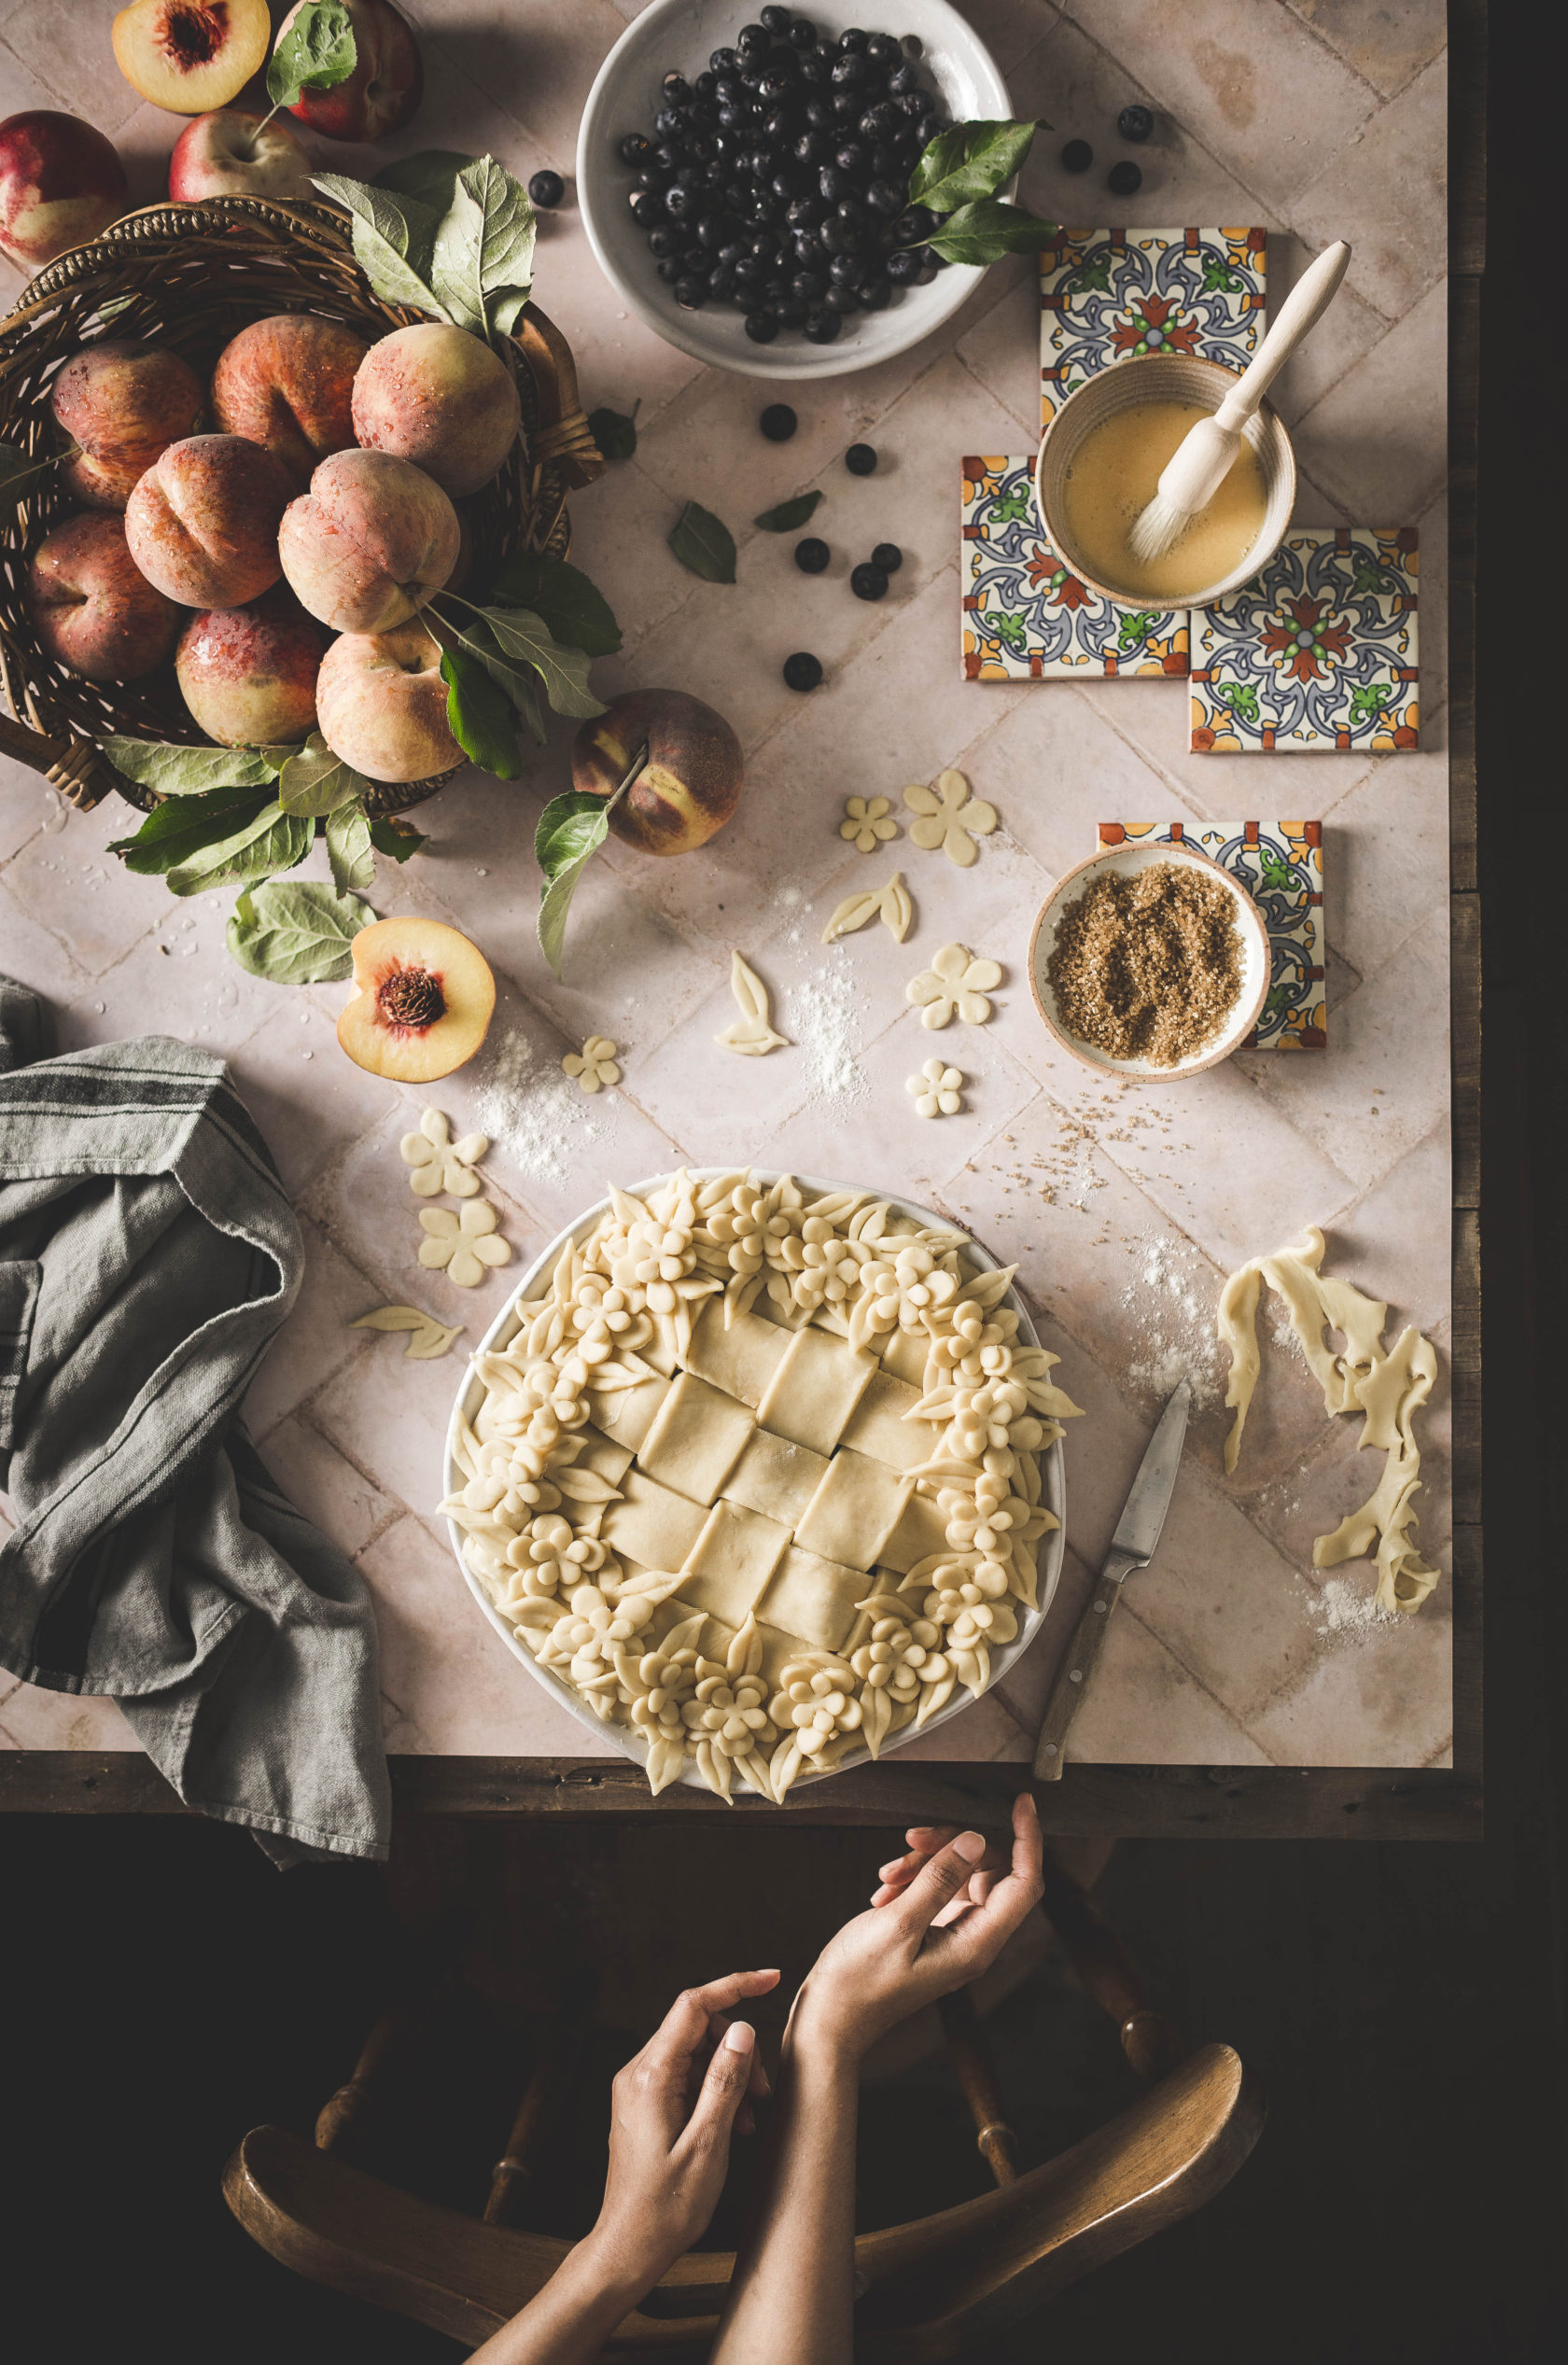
(191, 55)
(421, 1002)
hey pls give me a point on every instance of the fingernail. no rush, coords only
(969, 1845)
(739, 2037)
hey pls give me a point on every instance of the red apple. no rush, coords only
(60, 184)
(234, 153)
(385, 86)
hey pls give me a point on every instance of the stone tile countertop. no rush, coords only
(1124, 1205)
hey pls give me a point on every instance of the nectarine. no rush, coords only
(124, 404)
(370, 542)
(189, 55)
(286, 382)
(385, 86)
(248, 674)
(232, 152)
(438, 397)
(93, 608)
(691, 783)
(422, 999)
(382, 704)
(202, 522)
(60, 184)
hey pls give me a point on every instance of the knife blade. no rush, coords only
(1132, 1547)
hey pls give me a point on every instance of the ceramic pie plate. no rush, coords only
(471, 1393)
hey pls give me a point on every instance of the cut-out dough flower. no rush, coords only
(949, 818)
(440, 1164)
(954, 986)
(866, 822)
(464, 1244)
(936, 1090)
(752, 1031)
(594, 1064)
(890, 904)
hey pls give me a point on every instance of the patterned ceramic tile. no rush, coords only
(1108, 294)
(1279, 863)
(1319, 651)
(1025, 617)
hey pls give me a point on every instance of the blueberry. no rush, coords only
(819, 115)
(876, 298)
(1077, 156)
(902, 266)
(811, 556)
(662, 240)
(882, 49)
(823, 325)
(752, 42)
(851, 159)
(777, 84)
(845, 105)
(724, 61)
(648, 209)
(842, 299)
(803, 671)
(778, 423)
(903, 81)
(690, 294)
(853, 42)
(669, 124)
(889, 557)
(847, 271)
(670, 269)
(1124, 180)
(914, 224)
(812, 149)
(841, 237)
(706, 87)
(869, 582)
(885, 197)
(809, 285)
(774, 19)
(928, 129)
(803, 33)
(634, 149)
(860, 460)
(761, 327)
(1135, 123)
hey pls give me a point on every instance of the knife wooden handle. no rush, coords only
(1078, 1664)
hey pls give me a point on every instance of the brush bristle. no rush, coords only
(1156, 529)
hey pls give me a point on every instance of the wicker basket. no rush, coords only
(188, 277)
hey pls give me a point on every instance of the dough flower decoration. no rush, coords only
(594, 1065)
(752, 1033)
(949, 819)
(903, 1670)
(817, 1710)
(437, 1163)
(936, 1089)
(728, 1728)
(955, 986)
(737, 1225)
(462, 1245)
(967, 1600)
(655, 1688)
(830, 1267)
(588, 1641)
(891, 904)
(866, 822)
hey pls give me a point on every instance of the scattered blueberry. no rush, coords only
(812, 556)
(1135, 123)
(1077, 156)
(869, 582)
(889, 557)
(1124, 180)
(546, 189)
(777, 423)
(861, 459)
(803, 671)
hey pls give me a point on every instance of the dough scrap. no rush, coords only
(752, 1033)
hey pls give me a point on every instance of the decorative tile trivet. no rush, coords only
(1318, 652)
(1108, 294)
(1025, 618)
(1279, 863)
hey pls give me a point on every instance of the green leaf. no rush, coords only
(506, 309)
(519, 634)
(297, 935)
(273, 841)
(969, 161)
(571, 829)
(393, 239)
(349, 849)
(788, 514)
(613, 432)
(480, 714)
(575, 609)
(188, 771)
(316, 53)
(314, 782)
(704, 543)
(430, 177)
(988, 229)
(181, 826)
(485, 245)
(397, 838)
(477, 640)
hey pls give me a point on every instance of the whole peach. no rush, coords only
(286, 382)
(438, 396)
(202, 522)
(92, 609)
(232, 152)
(380, 703)
(124, 404)
(248, 674)
(691, 783)
(370, 542)
(385, 86)
(60, 184)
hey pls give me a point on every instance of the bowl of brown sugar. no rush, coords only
(1150, 960)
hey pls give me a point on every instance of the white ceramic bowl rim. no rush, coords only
(466, 1405)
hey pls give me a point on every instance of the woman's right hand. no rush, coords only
(908, 1950)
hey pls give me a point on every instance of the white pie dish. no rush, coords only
(681, 34)
(472, 1390)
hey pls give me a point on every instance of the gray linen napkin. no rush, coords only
(147, 1255)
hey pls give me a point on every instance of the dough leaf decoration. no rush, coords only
(898, 910)
(854, 913)
(427, 1339)
(752, 1033)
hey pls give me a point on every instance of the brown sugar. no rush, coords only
(1147, 964)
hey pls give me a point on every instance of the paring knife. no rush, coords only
(1132, 1547)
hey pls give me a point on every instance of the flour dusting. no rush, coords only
(819, 1016)
(1343, 1610)
(527, 1106)
(1170, 1298)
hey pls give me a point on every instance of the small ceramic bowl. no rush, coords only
(681, 34)
(1158, 377)
(1256, 959)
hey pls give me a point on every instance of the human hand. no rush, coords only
(673, 2109)
(940, 1926)
(924, 1840)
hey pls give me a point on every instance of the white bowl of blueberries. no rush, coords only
(744, 178)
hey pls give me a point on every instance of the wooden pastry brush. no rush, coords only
(1202, 460)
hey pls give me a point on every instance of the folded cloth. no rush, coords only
(147, 1255)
